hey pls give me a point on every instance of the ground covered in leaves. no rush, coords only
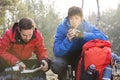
(51, 75)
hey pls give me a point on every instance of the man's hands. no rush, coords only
(70, 34)
(44, 65)
(21, 65)
(74, 33)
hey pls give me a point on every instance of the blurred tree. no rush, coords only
(47, 21)
(98, 13)
(110, 23)
(4, 6)
(92, 18)
(82, 4)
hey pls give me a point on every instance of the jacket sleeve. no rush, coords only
(61, 43)
(91, 32)
(40, 50)
(5, 45)
(116, 57)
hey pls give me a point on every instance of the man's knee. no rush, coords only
(58, 65)
(3, 65)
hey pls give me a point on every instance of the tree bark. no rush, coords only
(98, 13)
(82, 4)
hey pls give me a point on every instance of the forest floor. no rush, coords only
(51, 75)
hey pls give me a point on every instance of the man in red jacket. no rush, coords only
(18, 44)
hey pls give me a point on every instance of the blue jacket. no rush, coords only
(62, 45)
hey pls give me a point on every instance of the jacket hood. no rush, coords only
(66, 22)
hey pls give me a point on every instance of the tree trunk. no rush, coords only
(82, 4)
(98, 13)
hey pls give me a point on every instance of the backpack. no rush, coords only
(94, 52)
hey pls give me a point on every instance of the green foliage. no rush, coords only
(4, 3)
(4, 6)
(2, 17)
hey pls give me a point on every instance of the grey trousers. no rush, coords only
(59, 66)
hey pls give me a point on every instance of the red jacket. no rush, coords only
(12, 51)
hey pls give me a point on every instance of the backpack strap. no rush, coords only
(80, 68)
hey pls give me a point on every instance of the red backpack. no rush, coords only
(95, 52)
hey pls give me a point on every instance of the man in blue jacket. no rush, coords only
(71, 35)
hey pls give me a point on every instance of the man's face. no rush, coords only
(75, 21)
(26, 35)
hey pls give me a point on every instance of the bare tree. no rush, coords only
(98, 13)
(82, 4)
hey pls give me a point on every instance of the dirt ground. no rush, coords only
(51, 75)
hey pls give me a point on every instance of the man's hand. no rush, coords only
(44, 65)
(21, 65)
(70, 34)
(78, 34)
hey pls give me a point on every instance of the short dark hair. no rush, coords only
(26, 23)
(74, 10)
